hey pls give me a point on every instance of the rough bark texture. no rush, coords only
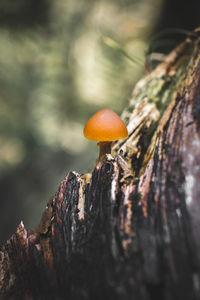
(132, 230)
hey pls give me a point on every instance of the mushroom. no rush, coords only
(105, 126)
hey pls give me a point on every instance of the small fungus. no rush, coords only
(105, 126)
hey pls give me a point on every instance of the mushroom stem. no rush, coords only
(104, 148)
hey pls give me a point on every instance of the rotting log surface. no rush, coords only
(133, 230)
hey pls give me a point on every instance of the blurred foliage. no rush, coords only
(58, 65)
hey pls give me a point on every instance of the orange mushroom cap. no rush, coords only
(105, 125)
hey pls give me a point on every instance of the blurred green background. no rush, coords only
(59, 63)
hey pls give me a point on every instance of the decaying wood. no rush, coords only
(132, 231)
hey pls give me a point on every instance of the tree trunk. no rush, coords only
(132, 230)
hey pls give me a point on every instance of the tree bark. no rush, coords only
(132, 230)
